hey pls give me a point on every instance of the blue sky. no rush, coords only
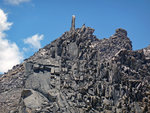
(35, 23)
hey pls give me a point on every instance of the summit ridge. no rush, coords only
(79, 73)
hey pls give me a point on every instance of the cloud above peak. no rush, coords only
(4, 24)
(16, 2)
(34, 41)
(9, 51)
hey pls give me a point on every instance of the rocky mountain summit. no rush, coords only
(79, 73)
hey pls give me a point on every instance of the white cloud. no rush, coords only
(9, 55)
(9, 52)
(25, 49)
(16, 2)
(4, 25)
(34, 41)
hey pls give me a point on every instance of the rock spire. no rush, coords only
(79, 73)
(73, 23)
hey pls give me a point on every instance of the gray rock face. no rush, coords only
(147, 52)
(78, 73)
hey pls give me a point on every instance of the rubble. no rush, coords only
(79, 73)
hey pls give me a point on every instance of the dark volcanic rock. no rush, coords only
(78, 73)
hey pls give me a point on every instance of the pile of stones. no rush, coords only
(79, 73)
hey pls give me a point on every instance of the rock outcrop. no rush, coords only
(79, 73)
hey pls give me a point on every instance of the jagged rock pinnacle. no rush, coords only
(121, 31)
(73, 23)
(79, 73)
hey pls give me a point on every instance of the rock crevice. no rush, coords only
(79, 73)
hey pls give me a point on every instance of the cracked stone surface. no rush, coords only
(79, 73)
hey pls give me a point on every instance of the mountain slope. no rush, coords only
(79, 73)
